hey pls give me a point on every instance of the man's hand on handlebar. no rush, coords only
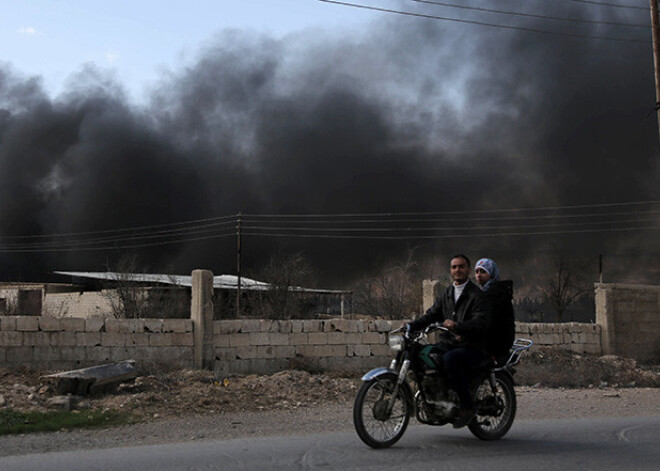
(449, 324)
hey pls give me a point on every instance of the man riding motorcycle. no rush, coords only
(461, 308)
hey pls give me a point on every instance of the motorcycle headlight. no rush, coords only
(396, 342)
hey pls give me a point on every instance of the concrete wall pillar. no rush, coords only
(430, 290)
(201, 313)
(605, 318)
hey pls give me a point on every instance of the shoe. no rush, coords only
(463, 418)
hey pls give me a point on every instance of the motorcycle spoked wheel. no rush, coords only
(495, 412)
(374, 424)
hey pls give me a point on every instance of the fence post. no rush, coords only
(201, 313)
(430, 290)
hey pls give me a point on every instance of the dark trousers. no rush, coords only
(460, 364)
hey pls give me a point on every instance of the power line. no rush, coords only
(481, 23)
(613, 5)
(530, 15)
(468, 211)
(453, 236)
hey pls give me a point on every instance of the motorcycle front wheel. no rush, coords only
(496, 410)
(378, 425)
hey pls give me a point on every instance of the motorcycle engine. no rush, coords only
(435, 388)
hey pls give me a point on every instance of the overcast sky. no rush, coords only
(139, 39)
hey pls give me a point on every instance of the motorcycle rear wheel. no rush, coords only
(377, 426)
(495, 412)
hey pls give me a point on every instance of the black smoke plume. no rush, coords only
(409, 115)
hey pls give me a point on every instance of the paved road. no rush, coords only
(601, 444)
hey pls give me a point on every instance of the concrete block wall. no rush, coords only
(575, 336)
(630, 319)
(265, 346)
(50, 343)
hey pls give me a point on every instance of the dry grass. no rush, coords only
(553, 367)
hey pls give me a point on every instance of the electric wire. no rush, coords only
(607, 4)
(530, 15)
(482, 23)
(412, 225)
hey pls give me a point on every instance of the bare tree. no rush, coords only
(127, 298)
(564, 286)
(395, 293)
(284, 272)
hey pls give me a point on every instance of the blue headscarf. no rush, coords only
(491, 268)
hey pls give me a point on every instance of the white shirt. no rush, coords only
(458, 290)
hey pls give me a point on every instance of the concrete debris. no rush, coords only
(95, 379)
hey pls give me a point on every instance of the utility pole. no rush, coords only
(238, 267)
(655, 25)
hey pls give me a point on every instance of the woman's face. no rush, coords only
(482, 276)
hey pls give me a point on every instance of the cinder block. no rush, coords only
(250, 325)
(311, 326)
(50, 324)
(298, 338)
(383, 326)
(174, 325)
(88, 339)
(160, 340)
(239, 340)
(7, 323)
(74, 354)
(113, 339)
(47, 354)
(267, 325)
(153, 325)
(221, 340)
(336, 338)
(27, 323)
(182, 339)
(227, 327)
(73, 324)
(317, 338)
(97, 355)
(381, 351)
(113, 325)
(296, 326)
(259, 338)
(344, 325)
(373, 338)
(330, 350)
(94, 324)
(359, 350)
(226, 354)
(284, 351)
(305, 351)
(121, 353)
(137, 340)
(245, 353)
(20, 355)
(278, 338)
(265, 351)
(283, 327)
(131, 326)
(353, 338)
(11, 339)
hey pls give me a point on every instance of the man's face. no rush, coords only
(459, 270)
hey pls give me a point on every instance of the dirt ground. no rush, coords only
(185, 392)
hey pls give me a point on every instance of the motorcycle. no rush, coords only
(415, 383)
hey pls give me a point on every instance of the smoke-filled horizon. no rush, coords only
(411, 115)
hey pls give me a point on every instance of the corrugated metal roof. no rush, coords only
(219, 282)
